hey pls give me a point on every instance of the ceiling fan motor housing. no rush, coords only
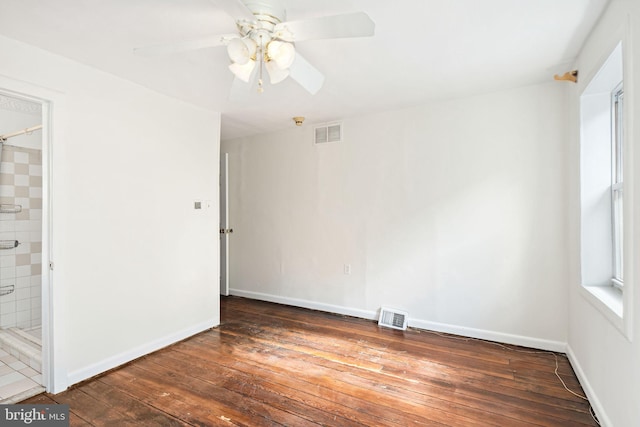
(267, 14)
(272, 12)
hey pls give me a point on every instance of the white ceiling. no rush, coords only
(423, 50)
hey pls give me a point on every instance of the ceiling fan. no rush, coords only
(266, 41)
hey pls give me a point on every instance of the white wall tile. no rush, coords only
(7, 261)
(8, 235)
(7, 191)
(20, 157)
(7, 167)
(23, 225)
(8, 225)
(22, 201)
(21, 295)
(7, 320)
(21, 180)
(23, 304)
(7, 272)
(8, 307)
(23, 316)
(8, 297)
(23, 270)
(35, 170)
(23, 282)
(35, 192)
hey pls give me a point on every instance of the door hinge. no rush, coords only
(51, 265)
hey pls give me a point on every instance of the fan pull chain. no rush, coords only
(260, 88)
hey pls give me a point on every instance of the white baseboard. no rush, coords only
(586, 386)
(142, 350)
(416, 323)
(338, 309)
(484, 334)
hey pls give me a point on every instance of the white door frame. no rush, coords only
(54, 375)
(224, 224)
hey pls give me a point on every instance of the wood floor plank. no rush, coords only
(262, 386)
(93, 411)
(204, 404)
(336, 396)
(120, 401)
(510, 354)
(45, 399)
(269, 364)
(366, 357)
(196, 386)
(411, 362)
(413, 390)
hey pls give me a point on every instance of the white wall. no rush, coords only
(452, 211)
(607, 362)
(136, 267)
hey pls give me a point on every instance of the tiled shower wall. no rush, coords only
(21, 267)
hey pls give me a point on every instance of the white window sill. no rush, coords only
(608, 300)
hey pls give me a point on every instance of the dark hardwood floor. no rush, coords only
(269, 364)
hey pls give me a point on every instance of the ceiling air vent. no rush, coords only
(331, 132)
(392, 318)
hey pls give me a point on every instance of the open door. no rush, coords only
(224, 224)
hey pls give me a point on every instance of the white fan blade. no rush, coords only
(306, 74)
(328, 27)
(235, 9)
(169, 48)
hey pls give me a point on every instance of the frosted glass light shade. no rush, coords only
(243, 71)
(282, 53)
(241, 50)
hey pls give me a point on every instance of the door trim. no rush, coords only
(54, 375)
(224, 224)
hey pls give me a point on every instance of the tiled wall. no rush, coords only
(21, 184)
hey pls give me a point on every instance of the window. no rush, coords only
(602, 204)
(617, 164)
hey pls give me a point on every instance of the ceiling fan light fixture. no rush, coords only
(243, 71)
(282, 53)
(241, 51)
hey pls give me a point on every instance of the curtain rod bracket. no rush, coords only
(570, 76)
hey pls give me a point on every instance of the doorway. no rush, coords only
(23, 254)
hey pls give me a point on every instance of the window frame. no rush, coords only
(614, 302)
(617, 185)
